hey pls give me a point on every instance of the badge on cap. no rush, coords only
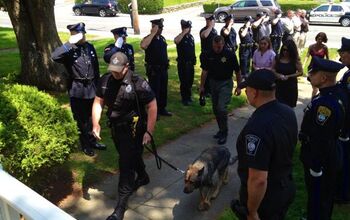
(128, 88)
(252, 144)
(323, 113)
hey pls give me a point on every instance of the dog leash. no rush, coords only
(158, 158)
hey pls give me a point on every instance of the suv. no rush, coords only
(96, 7)
(330, 14)
(243, 8)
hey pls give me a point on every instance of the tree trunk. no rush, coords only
(34, 24)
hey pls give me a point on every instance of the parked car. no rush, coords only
(242, 8)
(96, 7)
(330, 13)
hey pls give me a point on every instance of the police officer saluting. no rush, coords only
(186, 59)
(277, 31)
(219, 64)
(120, 45)
(157, 64)
(80, 59)
(229, 34)
(246, 46)
(126, 96)
(343, 178)
(265, 149)
(321, 127)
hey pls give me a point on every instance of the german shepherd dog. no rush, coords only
(208, 172)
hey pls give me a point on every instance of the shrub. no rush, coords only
(144, 6)
(36, 133)
(209, 7)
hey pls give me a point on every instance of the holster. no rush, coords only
(241, 211)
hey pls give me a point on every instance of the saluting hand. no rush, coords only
(154, 29)
(96, 131)
(186, 30)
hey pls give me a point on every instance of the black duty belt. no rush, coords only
(84, 80)
(247, 45)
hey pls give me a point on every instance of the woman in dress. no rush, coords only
(287, 67)
(318, 49)
(264, 56)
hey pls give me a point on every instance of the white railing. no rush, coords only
(16, 200)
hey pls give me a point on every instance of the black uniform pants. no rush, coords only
(130, 151)
(158, 81)
(81, 109)
(276, 43)
(278, 197)
(245, 57)
(186, 76)
(343, 175)
(320, 191)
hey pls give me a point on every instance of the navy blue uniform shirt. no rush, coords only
(230, 39)
(206, 43)
(82, 66)
(156, 52)
(186, 50)
(248, 38)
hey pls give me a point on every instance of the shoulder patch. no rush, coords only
(145, 86)
(252, 144)
(323, 113)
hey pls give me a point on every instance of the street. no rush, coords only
(102, 25)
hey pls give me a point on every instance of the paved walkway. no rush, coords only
(163, 198)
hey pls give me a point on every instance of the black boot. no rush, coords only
(141, 180)
(118, 214)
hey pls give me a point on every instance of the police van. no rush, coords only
(330, 13)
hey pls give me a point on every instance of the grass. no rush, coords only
(168, 3)
(88, 170)
(298, 207)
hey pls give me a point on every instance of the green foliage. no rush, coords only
(36, 134)
(144, 6)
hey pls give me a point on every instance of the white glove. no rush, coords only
(279, 15)
(315, 174)
(73, 39)
(119, 42)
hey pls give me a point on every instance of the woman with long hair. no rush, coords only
(263, 56)
(287, 67)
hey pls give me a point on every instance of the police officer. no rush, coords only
(277, 31)
(260, 27)
(265, 149)
(120, 45)
(320, 129)
(246, 46)
(80, 59)
(229, 34)
(126, 96)
(219, 64)
(186, 59)
(206, 35)
(343, 178)
(157, 64)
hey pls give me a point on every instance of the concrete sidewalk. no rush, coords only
(163, 198)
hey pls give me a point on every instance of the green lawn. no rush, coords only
(88, 170)
(168, 3)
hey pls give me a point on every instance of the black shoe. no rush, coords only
(99, 146)
(141, 181)
(222, 139)
(118, 214)
(217, 135)
(165, 113)
(89, 152)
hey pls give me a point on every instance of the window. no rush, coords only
(336, 8)
(251, 4)
(266, 3)
(239, 4)
(322, 8)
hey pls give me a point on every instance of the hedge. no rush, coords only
(144, 6)
(36, 133)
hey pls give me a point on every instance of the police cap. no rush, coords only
(209, 17)
(118, 62)
(260, 14)
(158, 22)
(248, 18)
(80, 27)
(228, 17)
(121, 31)
(262, 79)
(319, 64)
(278, 11)
(345, 44)
(186, 24)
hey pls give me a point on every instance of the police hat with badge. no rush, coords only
(121, 31)
(79, 28)
(248, 18)
(318, 64)
(229, 17)
(118, 61)
(345, 45)
(185, 24)
(209, 17)
(262, 79)
(158, 22)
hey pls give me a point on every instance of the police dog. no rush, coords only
(207, 173)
